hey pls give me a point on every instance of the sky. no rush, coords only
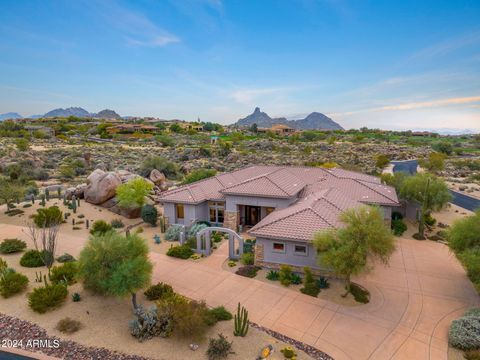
(381, 64)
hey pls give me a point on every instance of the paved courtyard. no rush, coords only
(412, 303)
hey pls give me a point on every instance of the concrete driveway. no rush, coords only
(412, 302)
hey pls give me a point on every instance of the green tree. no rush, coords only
(176, 128)
(149, 214)
(427, 190)
(10, 192)
(22, 144)
(434, 163)
(395, 180)
(346, 250)
(381, 161)
(48, 217)
(199, 174)
(165, 140)
(465, 233)
(113, 265)
(132, 194)
(443, 147)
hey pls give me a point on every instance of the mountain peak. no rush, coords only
(10, 115)
(314, 121)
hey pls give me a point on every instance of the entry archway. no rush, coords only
(205, 248)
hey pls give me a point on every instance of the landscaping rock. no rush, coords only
(101, 186)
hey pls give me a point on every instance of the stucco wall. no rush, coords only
(233, 200)
(289, 257)
(191, 213)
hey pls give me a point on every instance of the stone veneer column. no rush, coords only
(259, 254)
(230, 220)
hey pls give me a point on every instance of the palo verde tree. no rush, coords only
(132, 194)
(346, 249)
(114, 265)
(10, 192)
(427, 190)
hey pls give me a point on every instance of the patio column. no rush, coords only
(230, 220)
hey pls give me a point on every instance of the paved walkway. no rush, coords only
(412, 302)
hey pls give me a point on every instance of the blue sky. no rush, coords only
(387, 64)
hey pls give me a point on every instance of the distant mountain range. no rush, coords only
(314, 121)
(10, 115)
(71, 111)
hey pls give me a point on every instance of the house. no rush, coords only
(132, 128)
(278, 129)
(281, 206)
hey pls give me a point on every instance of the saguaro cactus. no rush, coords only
(241, 321)
(74, 204)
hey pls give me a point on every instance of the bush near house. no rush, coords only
(464, 333)
(247, 259)
(149, 214)
(285, 275)
(100, 227)
(180, 251)
(173, 233)
(68, 326)
(398, 227)
(310, 286)
(156, 292)
(219, 348)
(248, 271)
(9, 246)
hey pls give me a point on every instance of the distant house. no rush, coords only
(278, 129)
(283, 207)
(132, 128)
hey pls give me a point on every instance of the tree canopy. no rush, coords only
(113, 265)
(429, 191)
(347, 249)
(465, 233)
(10, 191)
(132, 193)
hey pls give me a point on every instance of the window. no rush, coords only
(279, 247)
(180, 211)
(300, 250)
(269, 210)
(215, 210)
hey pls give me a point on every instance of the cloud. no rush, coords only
(252, 95)
(413, 105)
(137, 29)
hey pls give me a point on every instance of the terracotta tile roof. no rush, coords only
(299, 222)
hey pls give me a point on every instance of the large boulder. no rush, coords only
(112, 205)
(157, 177)
(101, 186)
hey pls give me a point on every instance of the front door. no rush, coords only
(252, 215)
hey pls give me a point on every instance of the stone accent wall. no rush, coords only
(230, 220)
(258, 253)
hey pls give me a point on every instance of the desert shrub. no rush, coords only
(475, 312)
(158, 291)
(189, 319)
(12, 283)
(429, 220)
(310, 286)
(295, 279)
(168, 168)
(173, 233)
(285, 275)
(149, 214)
(65, 272)
(3, 265)
(117, 224)
(150, 322)
(219, 348)
(180, 251)
(247, 259)
(68, 326)
(288, 352)
(465, 233)
(221, 314)
(398, 227)
(471, 260)
(472, 355)
(65, 258)
(248, 271)
(360, 294)
(464, 333)
(196, 228)
(9, 246)
(100, 227)
(322, 283)
(273, 275)
(76, 297)
(47, 217)
(48, 297)
(34, 258)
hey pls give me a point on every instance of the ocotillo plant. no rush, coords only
(241, 322)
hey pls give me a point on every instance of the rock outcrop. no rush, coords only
(101, 186)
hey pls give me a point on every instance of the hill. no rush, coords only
(314, 121)
(71, 111)
(10, 115)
